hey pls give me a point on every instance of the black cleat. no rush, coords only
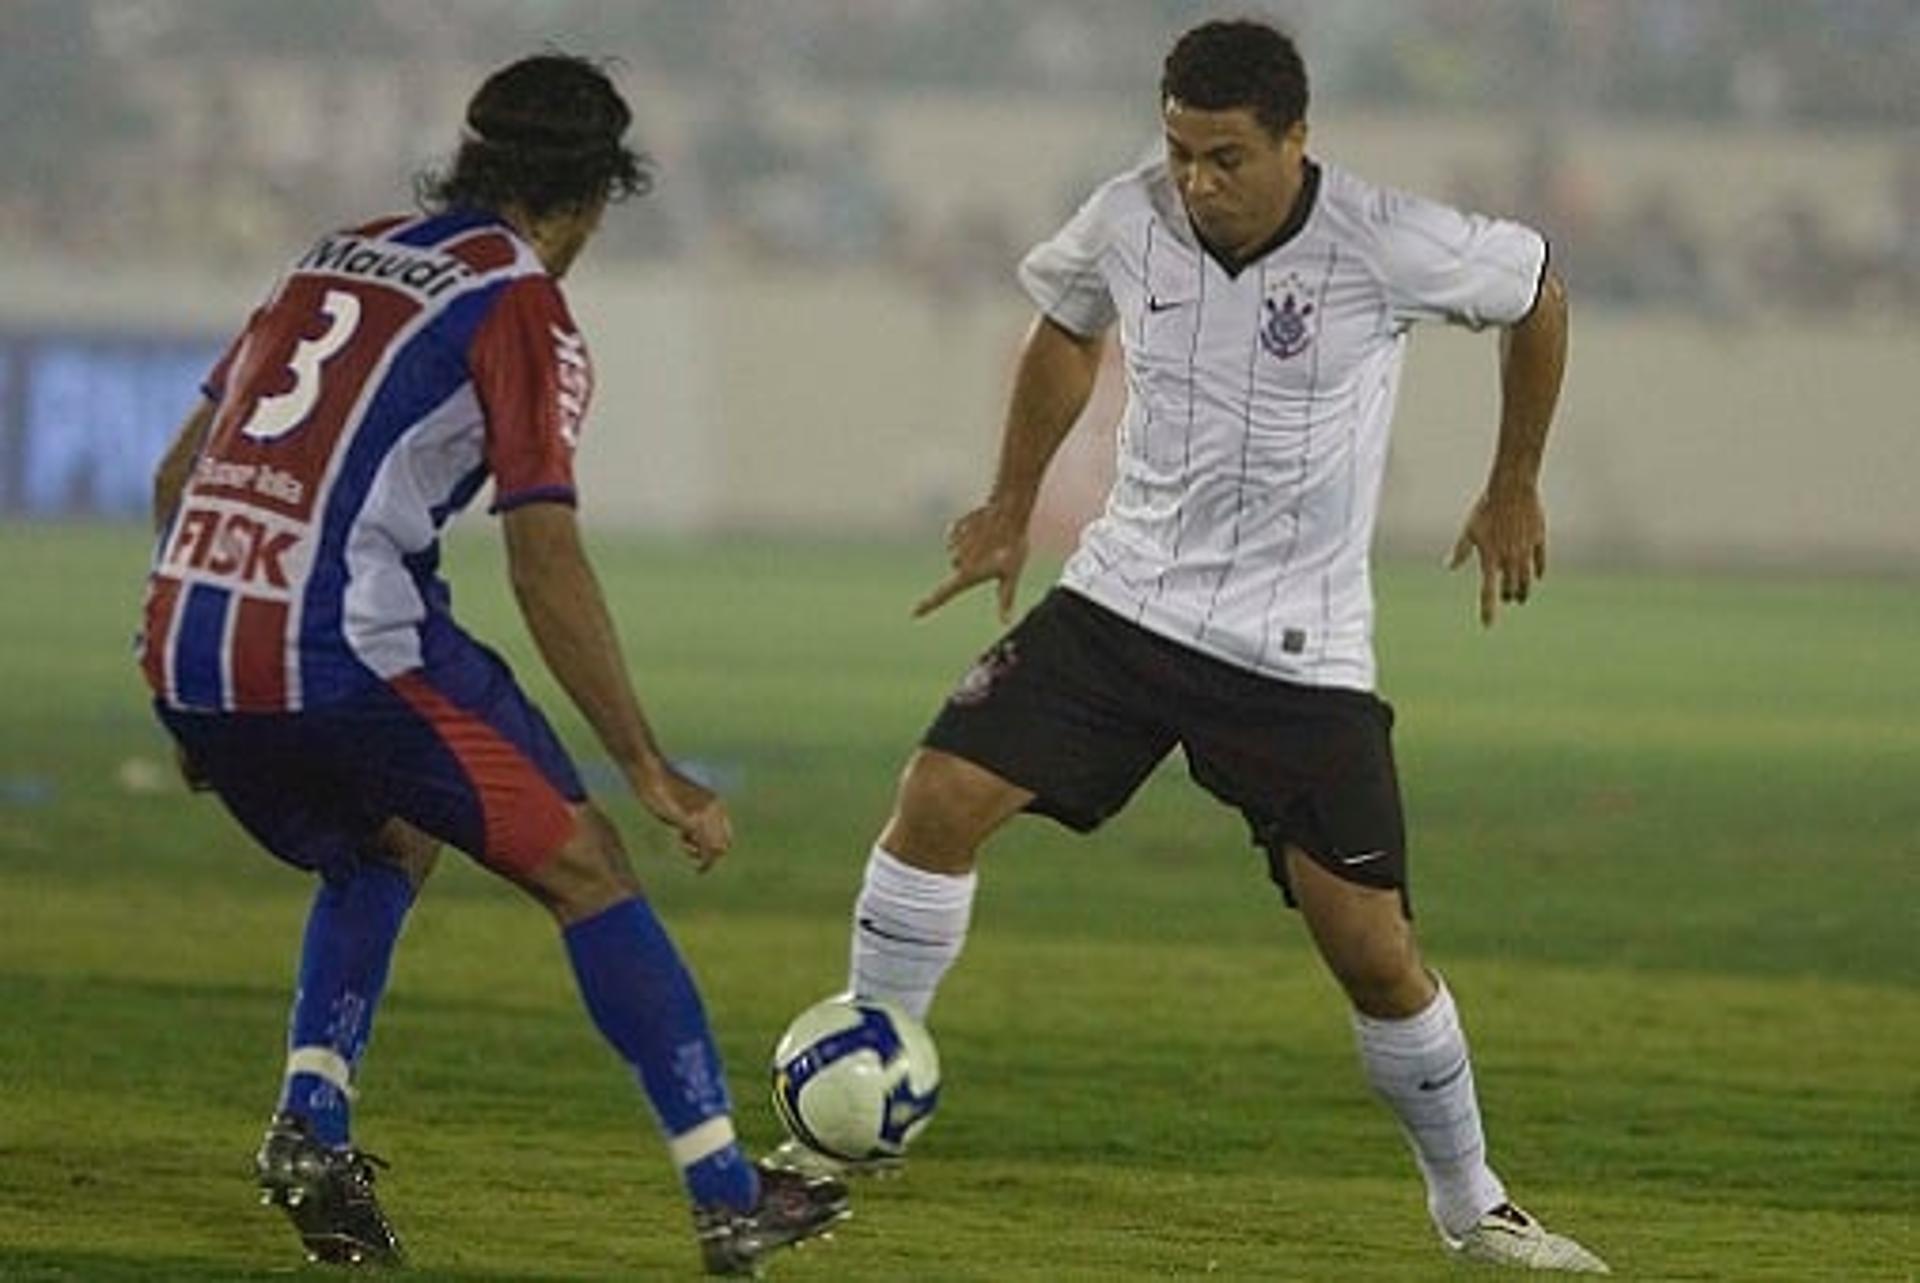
(328, 1195)
(792, 1209)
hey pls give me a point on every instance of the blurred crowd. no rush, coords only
(1648, 247)
(213, 130)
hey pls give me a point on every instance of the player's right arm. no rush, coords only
(175, 469)
(1051, 386)
(176, 466)
(169, 483)
(567, 615)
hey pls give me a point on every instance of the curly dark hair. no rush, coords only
(543, 134)
(1219, 66)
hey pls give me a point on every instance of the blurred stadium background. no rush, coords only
(821, 287)
(1667, 817)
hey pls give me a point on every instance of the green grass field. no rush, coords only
(1666, 849)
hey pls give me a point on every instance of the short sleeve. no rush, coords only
(1442, 263)
(533, 379)
(1062, 275)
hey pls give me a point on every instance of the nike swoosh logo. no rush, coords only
(1435, 1084)
(1363, 858)
(867, 924)
(1156, 305)
(1495, 1227)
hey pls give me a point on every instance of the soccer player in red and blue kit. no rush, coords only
(301, 650)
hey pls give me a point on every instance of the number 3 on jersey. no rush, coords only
(282, 412)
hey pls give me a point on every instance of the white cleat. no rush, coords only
(1509, 1236)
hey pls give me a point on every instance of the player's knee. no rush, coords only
(944, 808)
(409, 849)
(587, 875)
(1384, 978)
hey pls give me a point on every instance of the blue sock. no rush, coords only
(641, 997)
(351, 931)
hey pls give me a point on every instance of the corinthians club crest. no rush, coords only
(1283, 325)
(978, 682)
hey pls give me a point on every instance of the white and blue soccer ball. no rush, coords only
(856, 1079)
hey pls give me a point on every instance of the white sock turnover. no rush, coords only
(908, 928)
(1420, 1068)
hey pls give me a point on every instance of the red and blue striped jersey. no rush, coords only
(394, 368)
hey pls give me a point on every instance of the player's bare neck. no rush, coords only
(556, 239)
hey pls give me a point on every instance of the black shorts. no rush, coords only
(1077, 705)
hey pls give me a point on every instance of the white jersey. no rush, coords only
(1258, 403)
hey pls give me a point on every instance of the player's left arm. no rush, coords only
(1507, 527)
(532, 378)
(176, 465)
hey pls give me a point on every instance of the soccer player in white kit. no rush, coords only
(1222, 601)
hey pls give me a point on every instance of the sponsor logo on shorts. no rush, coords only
(977, 683)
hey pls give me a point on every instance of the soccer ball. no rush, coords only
(855, 1079)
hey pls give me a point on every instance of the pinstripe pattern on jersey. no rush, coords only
(1244, 531)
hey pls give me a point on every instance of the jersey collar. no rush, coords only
(1303, 202)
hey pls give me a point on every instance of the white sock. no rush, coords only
(1419, 1067)
(908, 928)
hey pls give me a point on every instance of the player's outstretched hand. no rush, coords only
(988, 543)
(692, 810)
(1508, 530)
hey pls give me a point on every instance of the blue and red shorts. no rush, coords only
(455, 749)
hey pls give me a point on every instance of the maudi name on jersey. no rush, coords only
(422, 272)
